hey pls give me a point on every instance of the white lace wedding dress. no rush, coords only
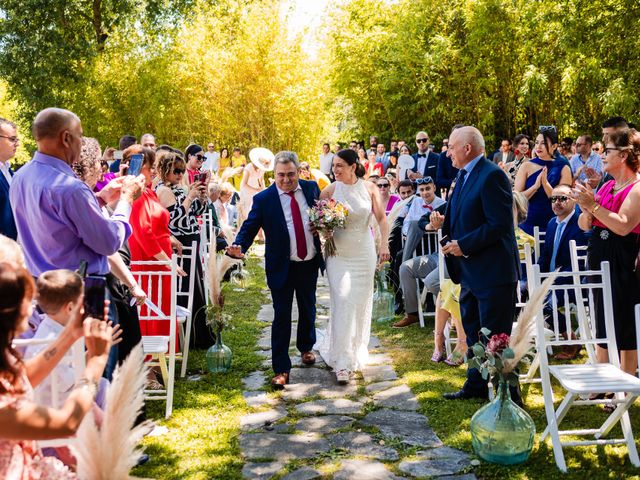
(350, 274)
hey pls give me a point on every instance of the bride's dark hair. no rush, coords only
(351, 158)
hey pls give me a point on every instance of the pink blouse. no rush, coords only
(22, 459)
(612, 202)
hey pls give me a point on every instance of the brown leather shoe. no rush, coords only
(308, 358)
(280, 380)
(409, 319)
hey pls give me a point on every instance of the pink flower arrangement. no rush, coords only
(325, 216)
(498, 343)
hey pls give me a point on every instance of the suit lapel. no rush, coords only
(3, 181)
(275, 199)
(307, 194)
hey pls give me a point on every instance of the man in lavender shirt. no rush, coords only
(58, 217)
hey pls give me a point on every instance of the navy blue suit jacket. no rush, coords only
(431, 167)
(482, 223)
(7, 223)
(571, 232)
(446, 172)
(266, 213)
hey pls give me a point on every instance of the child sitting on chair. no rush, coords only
(60, 295)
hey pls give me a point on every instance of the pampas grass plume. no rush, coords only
(112, 451)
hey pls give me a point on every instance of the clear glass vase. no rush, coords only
(219, 356)
(501, 431)
(383, 299)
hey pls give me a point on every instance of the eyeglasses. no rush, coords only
(561, 199)
(423, 180)
(547, 128)
(611, 149)
(178, 171)
(422, 140)
(384, 185)
(11, 139)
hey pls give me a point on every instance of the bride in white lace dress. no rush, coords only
(351, 271)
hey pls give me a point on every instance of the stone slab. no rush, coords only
(377, 387)
(261, 471)
(264, 342)
(324, 424)
(374, 343)
(338, 406)
(410, 427)
(436, 462)
(258, 399)
(260, 419)
(400, 397)
(305, 473)
(282, 447)
(362, 444)
(379, 359)
(254, 381)
(308, 382)
(364, 470)
(379, 373)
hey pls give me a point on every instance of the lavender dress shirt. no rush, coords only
(59, 219)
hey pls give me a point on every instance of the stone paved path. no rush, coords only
(315, 428)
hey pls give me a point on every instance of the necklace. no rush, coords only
(617, 189)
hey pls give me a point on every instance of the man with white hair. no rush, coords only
(481, 250)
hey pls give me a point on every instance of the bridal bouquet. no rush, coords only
(325, 216)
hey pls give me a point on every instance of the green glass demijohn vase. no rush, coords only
(383, 299)
(219, 356)
(501, 431)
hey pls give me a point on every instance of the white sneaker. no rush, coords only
(343, 376)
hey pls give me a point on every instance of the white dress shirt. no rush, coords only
(4, 168)
(211, 162)
(63, 373)
(421, 163)
(325, 162)
(285, 201)
(417, 209)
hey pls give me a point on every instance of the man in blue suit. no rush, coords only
(8, 145)
(425, 161)
(292, 259)
(481, 253)
(555, 254)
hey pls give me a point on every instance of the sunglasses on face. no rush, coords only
(422, 181)
(422, 140)
(178, 171)
(610, 149)
(200, 158)
(383, 185)
(560, 199)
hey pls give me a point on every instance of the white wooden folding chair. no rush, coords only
(578, 256)
(539, 237)
(78, 361)
(582, 381)
(185, 289)
(429, 245)
(152, 276)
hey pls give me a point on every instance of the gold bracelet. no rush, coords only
(595, 209)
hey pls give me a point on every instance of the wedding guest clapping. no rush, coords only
(613, 216)
(22, 421)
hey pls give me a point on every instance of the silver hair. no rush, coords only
(286, 156)
(213, 187)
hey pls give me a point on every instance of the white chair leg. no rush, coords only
(560, 413)
(185, 346)
(420, 309)
(162, 362)
(171, 383)
(530, 376)
(617, 414)
(625, 422)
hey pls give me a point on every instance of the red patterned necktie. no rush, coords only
(301, 241)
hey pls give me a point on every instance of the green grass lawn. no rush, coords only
(202, 442)
(411, 350)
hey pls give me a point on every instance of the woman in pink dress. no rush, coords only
(22, 421)
(613, 217)
(389, 200)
